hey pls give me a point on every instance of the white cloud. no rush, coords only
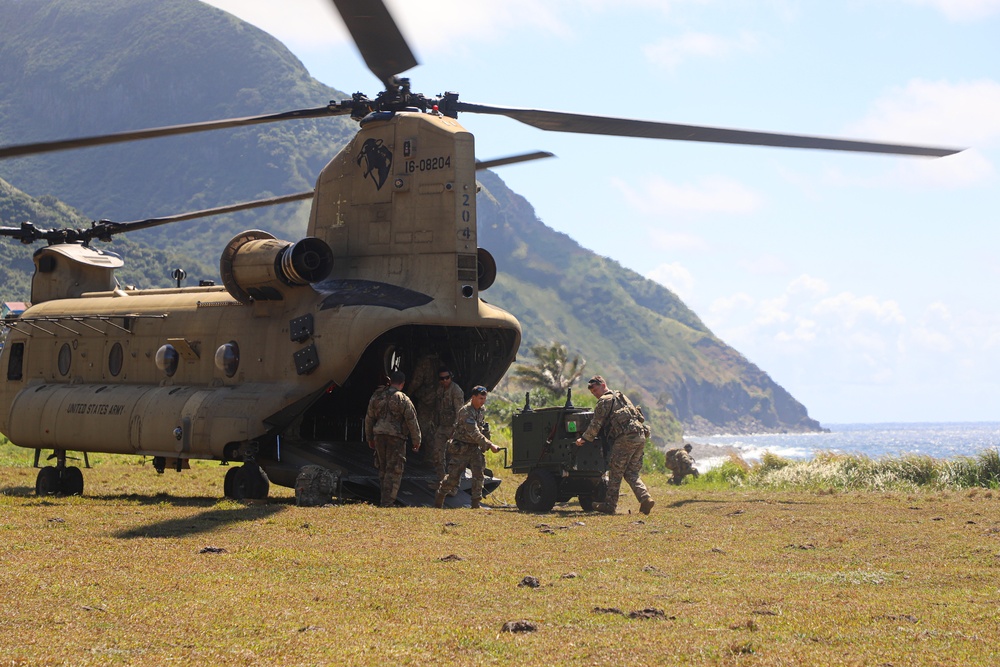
(671, 51)
(714, 194)
(306, 24)
(966, 113)
(674, 277)
(315, 24)
(962, 10)
(723, 306)
(849, 309)
(808, 285)
(955, 115)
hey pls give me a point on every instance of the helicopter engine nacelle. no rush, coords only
(257, 266)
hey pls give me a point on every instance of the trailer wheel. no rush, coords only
(538, 492)
(597, 495)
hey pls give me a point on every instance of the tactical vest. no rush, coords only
(625, 418)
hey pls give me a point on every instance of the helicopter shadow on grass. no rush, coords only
(204, 522)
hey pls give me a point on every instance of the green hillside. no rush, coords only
(145, 266)
(82, 67)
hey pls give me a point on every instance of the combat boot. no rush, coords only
(603, 508)
(646, 506)
(439, 500)
(476, 503)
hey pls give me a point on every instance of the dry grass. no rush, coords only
(750, 577)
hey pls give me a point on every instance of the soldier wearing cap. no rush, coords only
(389, 419)
(627, 433)
(466, 449)
(448, 401)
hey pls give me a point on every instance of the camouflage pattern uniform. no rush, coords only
(681, 463)
(422, 390)
(466, 450)
(390, 417)
(628, 436)
(448, 402)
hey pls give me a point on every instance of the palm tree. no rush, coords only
(552, 370)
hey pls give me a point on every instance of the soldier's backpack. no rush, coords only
(625, 418)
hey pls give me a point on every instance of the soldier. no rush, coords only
(448, 400)
(466, 449)
(422, 391)
(627, 433)
(390, 417)
(681, 463)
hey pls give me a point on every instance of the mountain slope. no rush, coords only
(81, 67)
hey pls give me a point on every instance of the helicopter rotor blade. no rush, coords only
(19, 150)
(377, 37)
(205, 213)
(512, 159)
(105, 229)
(558, 121)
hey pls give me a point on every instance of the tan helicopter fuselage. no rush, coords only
(298, 337)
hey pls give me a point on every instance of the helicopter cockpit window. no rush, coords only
(167, 359)
(65, 359)
(115, 359)
(15, 362)
(227, 358)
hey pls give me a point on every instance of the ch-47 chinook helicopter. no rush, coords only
(274, 368)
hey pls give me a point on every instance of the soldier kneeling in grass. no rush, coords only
(681, 463)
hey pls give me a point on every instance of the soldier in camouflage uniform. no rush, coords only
(448, 400)
(389, 419)
(628, 434)
(422, 390)
(681, 463)
(466, 449)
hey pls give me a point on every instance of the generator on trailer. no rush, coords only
(543, 446)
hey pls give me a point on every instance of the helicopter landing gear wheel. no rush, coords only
(598, 495)
(71, 482)
(537, 493)
(47, 482)
(230, 482)
(248, 482)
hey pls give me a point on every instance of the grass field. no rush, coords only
(151, 570)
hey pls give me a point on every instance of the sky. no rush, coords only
(866, 285)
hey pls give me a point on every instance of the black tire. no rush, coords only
(47, 482)
(229, 482)
(538, 492)
(250, 482)
(597, 495)
(71, 482)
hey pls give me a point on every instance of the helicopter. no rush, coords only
(273, 369)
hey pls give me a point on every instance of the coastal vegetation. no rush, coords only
(857, 472)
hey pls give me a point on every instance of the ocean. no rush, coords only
(937, 440)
